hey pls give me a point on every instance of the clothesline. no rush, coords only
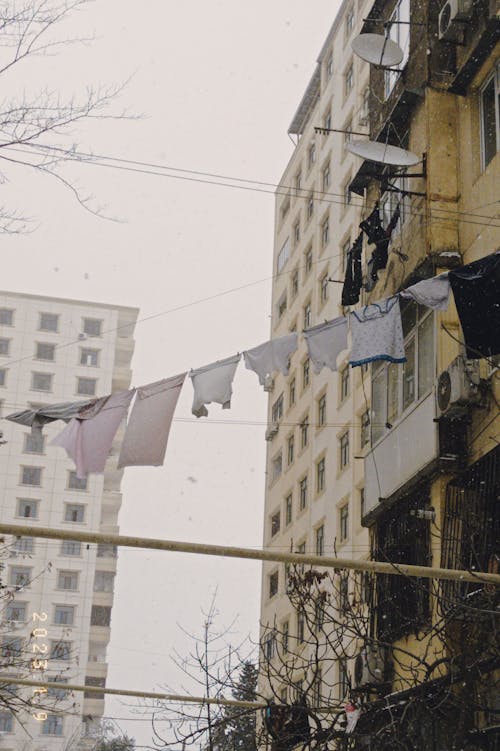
(376, 334)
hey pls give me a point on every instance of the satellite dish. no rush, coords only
(377, 50)
(375, 151)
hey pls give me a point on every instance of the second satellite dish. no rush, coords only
(377, 50)
(375, 151)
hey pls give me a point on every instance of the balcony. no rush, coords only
(402, 455)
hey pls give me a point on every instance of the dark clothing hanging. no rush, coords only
(353, 280)
(288, 725)
(381, 238)
(476, 289)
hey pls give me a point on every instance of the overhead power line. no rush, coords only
(227, 551)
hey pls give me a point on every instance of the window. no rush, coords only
(320, 475)
(323, 288)
(316, 688)
(277, 409)
(295, 283)
(288, 509)
(27, 508)
(306, 368)
(298, 183)
(303, 493)
(273, 583)
(329, 67)
(344, 522)
(94, 682)
(276, 467)
(76, 483)
(16, 611)
(24, 544)
(344, 593)
(53, 725)
(11, 648)
(269, 646)
(64, 615)
(301, 626)
(327, 120)
(304, 432)
(34, 443)
(60, 650)
(291, 393)
(104, 581)
(3, 376)
(296, 233)
(86, 386)
(310, 206)
(326, 177)
(320, 540)
(45, 351)
(394, 387)
(285, 208)
(290, 449)
(74, 512)
(325, 232)
(58, 693)
(6, 317)
(362, 502)
(4, 346)
(68, 580)
(31, 476)
(100, 615)
(308, 261)
(92, 326)
(307, 315)
(348, 132)
(283, 255)
(347, 193)
(348, 80)
(490, 118)
(365, 429)
(49, 322)
(275, 523)
(346, 247)
(311, 155)
(344, 449)
(41, 381)
(365, 105)
(89, 357)
(6, 722)
(322, 411)
(343, 678)
(399, 32)
(344, 383)
(285, 636)
(71, 547)
(349, 22)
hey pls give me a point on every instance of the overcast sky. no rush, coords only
(217, 83)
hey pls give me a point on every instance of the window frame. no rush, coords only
(50, 376)
(493, 78)
(50, 329)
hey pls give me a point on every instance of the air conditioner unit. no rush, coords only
(269, 384)
(272, 431)
(452, 14)
(458, 387)
(370, 666)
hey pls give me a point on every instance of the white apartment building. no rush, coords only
(56, 350)
(314, 486)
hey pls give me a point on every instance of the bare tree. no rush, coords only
(33, 129)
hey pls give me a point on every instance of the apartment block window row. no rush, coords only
(396, 387)
(490, 118)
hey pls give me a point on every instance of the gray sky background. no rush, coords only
(218, 83)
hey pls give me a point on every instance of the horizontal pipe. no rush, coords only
(227, 551)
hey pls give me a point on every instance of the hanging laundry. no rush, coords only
(381, 238)
(213, 383)
(37, 418)
(325, 342)
(434, 292)
(352, 713)
(146, 436)
(271, 356)
(476, 289)
(377, 333)
(353, 280)
(88, 437)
